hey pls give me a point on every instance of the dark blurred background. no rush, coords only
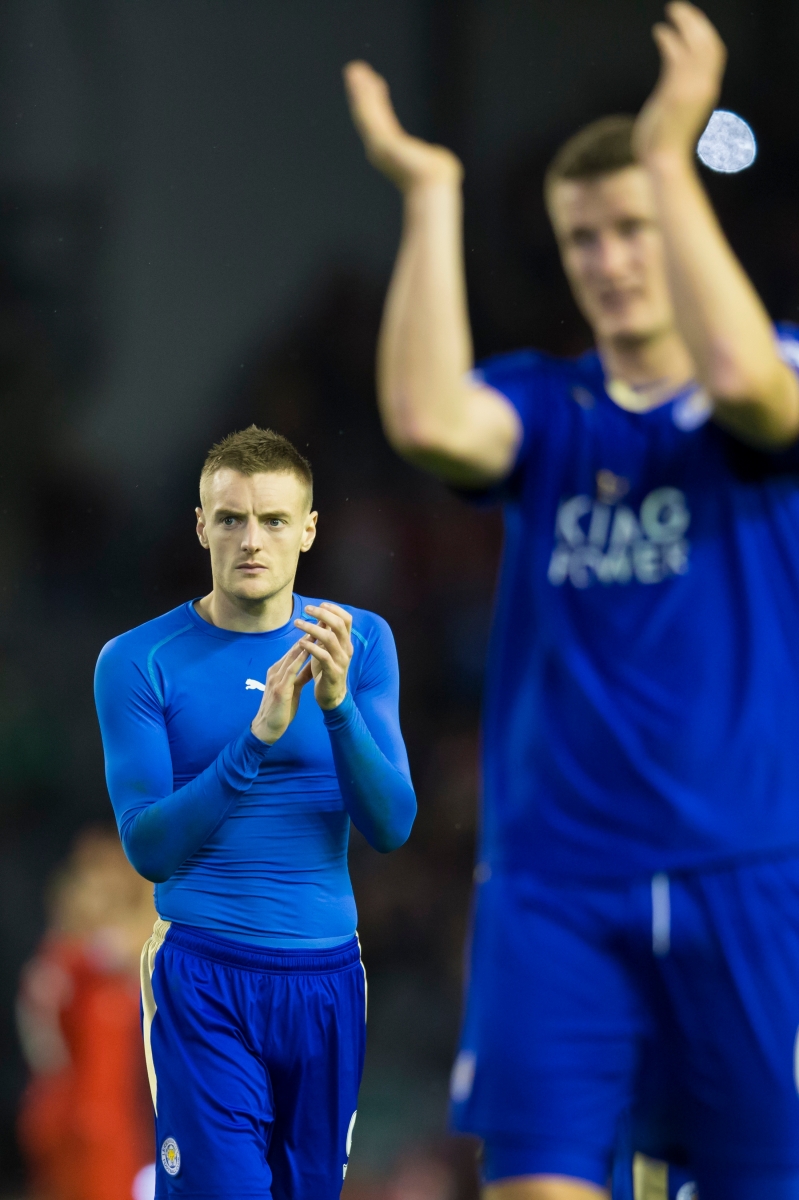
(190, 241)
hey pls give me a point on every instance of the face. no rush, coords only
(256, 527)
(612, 253)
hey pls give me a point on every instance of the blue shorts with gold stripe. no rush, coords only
(255, 1059)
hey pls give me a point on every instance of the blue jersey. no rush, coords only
(247, 840)
(642, 709)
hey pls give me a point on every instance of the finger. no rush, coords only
(695, 28)
(370, 103)
(332, 616)
(335, 644)
(319, 630)
(289, 664)
(345, 616)
(305, 676)
(669, 43)
(276, 674)
(321, 655)
(280, 663)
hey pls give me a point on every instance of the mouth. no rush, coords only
(619, 299)
(251, 568)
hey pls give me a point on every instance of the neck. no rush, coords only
(247, 616)
(653, 367)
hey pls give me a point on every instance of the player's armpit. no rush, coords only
(474, 445)
(769, 422)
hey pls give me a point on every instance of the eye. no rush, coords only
(228, 522)
(631, 227)
(583, 237)
(274, 522)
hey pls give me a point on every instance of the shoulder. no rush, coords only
(788, 342)
(138, 644)
(529, 366)
(539, 385)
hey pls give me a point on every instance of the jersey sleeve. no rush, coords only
(788, 346)
(160, 828)
(368, 749)
(778, 462)
(523, 379)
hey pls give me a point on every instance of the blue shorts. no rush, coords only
(255, 1059)
(672, 1004)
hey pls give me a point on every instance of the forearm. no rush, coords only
(425, 349)
(377, 795)
(159, 837)
(718, 312)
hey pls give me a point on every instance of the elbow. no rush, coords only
(147, 865)
(411, 427)
(415, 441)
(154, 872)
(392, 836)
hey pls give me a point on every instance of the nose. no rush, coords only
(610, 254)
(251, 541)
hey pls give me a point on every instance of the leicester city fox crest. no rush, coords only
(170, 1156)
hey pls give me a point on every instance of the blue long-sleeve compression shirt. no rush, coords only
(241, 838)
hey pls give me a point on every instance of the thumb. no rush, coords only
(305, 676)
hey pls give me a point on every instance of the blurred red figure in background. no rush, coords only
(85, 1125)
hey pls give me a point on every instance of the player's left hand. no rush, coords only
(693, 58)
(327, 640)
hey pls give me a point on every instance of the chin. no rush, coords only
(253, 590)
(627, 329)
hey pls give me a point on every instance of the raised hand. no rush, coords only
(406, 160)
(285, 680)
(327, 640)
(693, 58)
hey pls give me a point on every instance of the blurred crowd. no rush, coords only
(85, 558)
(85, 1125)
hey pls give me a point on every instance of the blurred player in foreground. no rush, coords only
(84, 1124)
(638, 879)
(233, 788)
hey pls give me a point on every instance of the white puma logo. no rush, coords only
(252, 684)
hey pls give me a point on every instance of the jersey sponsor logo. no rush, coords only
(252, 684)
(604, 541)
(170, 1156)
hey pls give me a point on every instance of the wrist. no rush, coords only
(444, 179)
(264, 735)
(666, 162)
(330, 704)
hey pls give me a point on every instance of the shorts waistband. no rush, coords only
(257, 958)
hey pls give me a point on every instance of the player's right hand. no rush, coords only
(285, 680)
(406, 160)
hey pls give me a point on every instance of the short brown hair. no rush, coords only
(254, 450)
(598, 149)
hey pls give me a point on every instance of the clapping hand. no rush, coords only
(406, 160)
(693, 58)
(327, 640)
(323, 655)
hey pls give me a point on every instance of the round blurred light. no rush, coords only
(728, 144)
(144, 1184)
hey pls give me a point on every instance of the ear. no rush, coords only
(309, 532)
(201, 534)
